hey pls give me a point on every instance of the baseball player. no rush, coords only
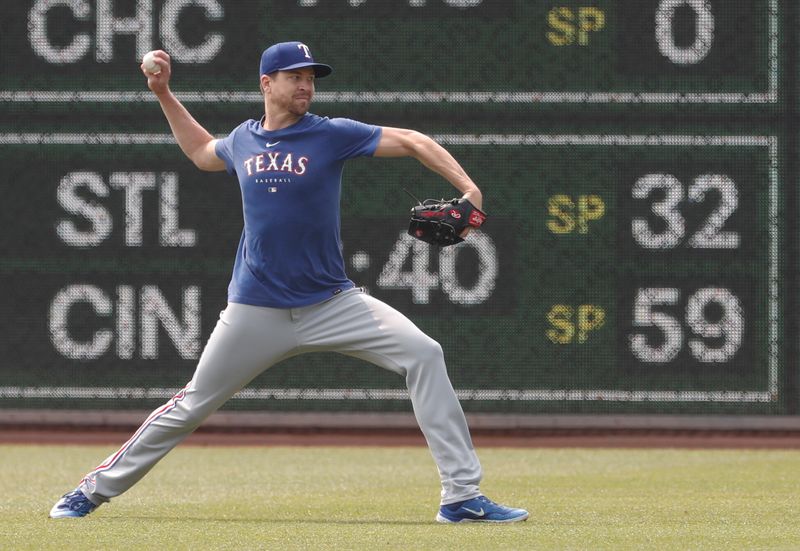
(289, 293)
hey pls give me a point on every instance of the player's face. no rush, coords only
(293, 90)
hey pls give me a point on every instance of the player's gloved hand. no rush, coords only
(442, 222)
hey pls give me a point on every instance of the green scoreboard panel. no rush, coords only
(519, 51)
(636, 159)
(615, 269)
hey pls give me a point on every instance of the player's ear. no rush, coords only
(263, 83)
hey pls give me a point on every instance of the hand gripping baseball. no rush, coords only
(442, 222)
(157, 67)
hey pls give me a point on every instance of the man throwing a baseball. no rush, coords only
(289, 293)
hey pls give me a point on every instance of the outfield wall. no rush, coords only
(637, 158)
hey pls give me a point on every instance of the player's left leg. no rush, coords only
(359, 325)
(364, 327)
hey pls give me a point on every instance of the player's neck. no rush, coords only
(275, 119)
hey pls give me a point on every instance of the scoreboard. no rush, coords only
(412, 51)
(636, 160)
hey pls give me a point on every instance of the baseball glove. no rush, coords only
(441, 222)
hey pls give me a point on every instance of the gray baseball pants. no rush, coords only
(249, 339)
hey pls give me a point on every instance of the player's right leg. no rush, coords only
(246, 341)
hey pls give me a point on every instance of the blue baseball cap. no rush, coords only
(285, 56)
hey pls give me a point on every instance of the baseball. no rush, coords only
(150, 64)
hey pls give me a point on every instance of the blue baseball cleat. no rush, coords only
(479, 509)
(73, 504)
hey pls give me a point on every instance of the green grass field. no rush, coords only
(386, 498)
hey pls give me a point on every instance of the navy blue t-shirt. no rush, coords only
(290, 252)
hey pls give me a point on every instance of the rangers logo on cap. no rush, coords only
(285, 56)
